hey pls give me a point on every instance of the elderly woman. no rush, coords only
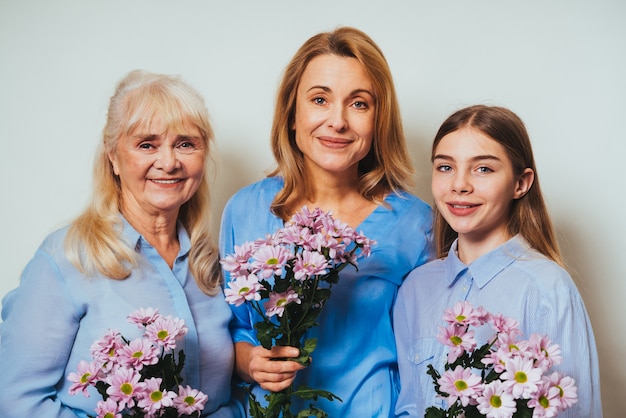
(338, 141)
(143, 242)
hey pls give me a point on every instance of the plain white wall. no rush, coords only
(559, 64)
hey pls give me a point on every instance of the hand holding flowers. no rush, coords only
(140, 378)
(286, 279)
(506, 377)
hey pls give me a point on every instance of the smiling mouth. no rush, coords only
(167, 181)
(462, 206)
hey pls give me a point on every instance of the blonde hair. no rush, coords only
(94, 243)
(528, 215)
(387, 167)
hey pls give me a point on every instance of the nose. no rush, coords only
(167, 160)
(337, 119)
(461, 183)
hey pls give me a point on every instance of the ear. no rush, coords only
(113, 160)
(524, 183)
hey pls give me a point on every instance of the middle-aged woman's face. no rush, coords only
(159, 170)
(334, 118)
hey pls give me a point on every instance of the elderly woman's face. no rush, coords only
(159, 170)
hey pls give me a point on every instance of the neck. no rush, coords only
(159, 230)
(471, 248)
(338, 194)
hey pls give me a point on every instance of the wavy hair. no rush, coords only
(528, 215)
(387, 167)
(94, 243)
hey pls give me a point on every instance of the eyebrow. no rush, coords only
(475, 158)
(352, 93)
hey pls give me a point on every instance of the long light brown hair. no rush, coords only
(387, 167)
(94, 243)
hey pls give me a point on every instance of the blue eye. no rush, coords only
(484, 170)
(319, 100)
(360, 105)
(444, 168)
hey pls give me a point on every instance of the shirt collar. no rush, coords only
(486, 267)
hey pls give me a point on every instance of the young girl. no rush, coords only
(496, 248)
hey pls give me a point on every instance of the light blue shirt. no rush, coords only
(56, 313)
(355, 356)
(512, 279)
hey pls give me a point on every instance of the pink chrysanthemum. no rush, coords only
(243, 288)
(138, 353)
(495, 401)
(522, 377)
(459, 339)
(297, 236)
(239, 263)
(189, 400)
(269, 260)
(105, 349)
(124, 387)
(278, 301)
(108, 409)
(464, 314)
(568, 395)
(546, 353)
(505, 325)
(545, 402)
(309, 263)
(88, 374)
(460, 384)
(165, 331)
(143, 317)
(153, 398)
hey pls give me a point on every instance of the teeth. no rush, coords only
(166, 181)
(461, 206)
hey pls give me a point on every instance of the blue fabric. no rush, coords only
(512, 279)
(355, 357)
(56, 313)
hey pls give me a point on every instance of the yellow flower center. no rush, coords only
(460, 385)
(84, 378)
(126, 388)
(543, 401)
(156, 396)
(456, 340)
(495, 401)
(272, 261)
(521, 377)
(189, 400)
(162, 334)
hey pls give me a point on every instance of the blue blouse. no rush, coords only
(514, 280)
(56, 313)
(355, 356)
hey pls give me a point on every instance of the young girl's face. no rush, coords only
(473, 185)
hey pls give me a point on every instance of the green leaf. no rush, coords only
(305, 392)
(433, 412)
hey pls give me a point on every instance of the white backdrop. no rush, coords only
(559, 64)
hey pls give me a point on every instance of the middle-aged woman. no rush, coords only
(143, 242)
(339, 145)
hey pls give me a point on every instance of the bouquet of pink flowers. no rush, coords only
(287, 278)
(506, 377)
(140, 378)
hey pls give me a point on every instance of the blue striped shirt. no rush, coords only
(514, 280)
